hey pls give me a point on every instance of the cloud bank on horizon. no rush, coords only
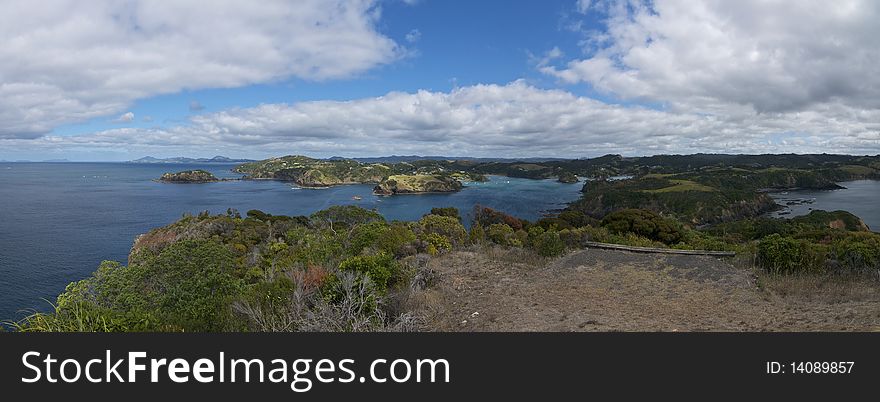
(644, 78)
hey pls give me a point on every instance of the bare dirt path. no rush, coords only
(604, 290)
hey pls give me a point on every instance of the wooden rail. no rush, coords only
(637, 249)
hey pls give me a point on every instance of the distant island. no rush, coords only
(189, 176)
(698, 189)
(216, 159)
(417, 184)
(419, 176)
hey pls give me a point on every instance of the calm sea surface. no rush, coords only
(58, 221)
(861, 197)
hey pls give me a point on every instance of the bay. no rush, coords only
(58, 221)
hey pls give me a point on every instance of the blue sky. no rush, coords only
(458, 43)
(569, 78)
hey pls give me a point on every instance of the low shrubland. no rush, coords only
(348, 269)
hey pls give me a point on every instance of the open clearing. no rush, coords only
(604, 290)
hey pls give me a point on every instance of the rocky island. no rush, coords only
(567, 177)
(189, 176)
(419, 176)
(417, 184)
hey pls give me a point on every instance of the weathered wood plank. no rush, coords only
(637, 249)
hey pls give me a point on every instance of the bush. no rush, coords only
(189, 285)
(488, 216)
(553, 223)
(345, 216)
(643, 223)
(451, 212)
(499, 233)
(380, 268)
(437, 243)
(785, 255)
(576, 218)
(477, 234)
(445, 226)
(546, 243)
(858, 252)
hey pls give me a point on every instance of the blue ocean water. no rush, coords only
(58, 221)
(860, 197)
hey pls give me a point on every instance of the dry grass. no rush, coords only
(827, 289)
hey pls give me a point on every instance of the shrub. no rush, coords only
(785, 255)
(451, 212)
(553, 223)
(576, 218)
(547, 243)
(380, 268)
(488, 216)
(446, 226)
(345, 216)
(858, 252)
(189, 285)
(437, 243)
(644, 223)
(499, 233)
(477, 234)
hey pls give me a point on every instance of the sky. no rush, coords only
(113, 80)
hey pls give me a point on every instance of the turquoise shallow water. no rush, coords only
(58, 221)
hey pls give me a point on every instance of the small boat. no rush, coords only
(357, 198)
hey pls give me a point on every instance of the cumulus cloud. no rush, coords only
(734, 57)
(126, 117)
(516, 119)
(67, 61)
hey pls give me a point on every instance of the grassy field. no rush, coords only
(682, 185)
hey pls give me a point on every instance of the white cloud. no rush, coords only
(483, 120)
(583, 6)
(735, 57)
(67, 61)
(126, 117)
(413, 36)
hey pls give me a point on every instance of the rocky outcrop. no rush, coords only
(417, 184)
(567, 177)
(189, 176)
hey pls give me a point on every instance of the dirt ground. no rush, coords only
(605, 290)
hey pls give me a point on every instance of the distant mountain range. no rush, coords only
(412, 158)
(180, 159)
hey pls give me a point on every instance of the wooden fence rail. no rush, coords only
(636, 249)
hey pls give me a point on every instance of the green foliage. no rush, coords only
(643, 223)
(488, 216)
(315, 246)
(547, 243)
(380, 268)
(344, 216)
(188, 285)
(437, 243)
(576, 218)
(451, 212)
(785, 255)
(857, 252)
(445, 226)
(500, 233)
(477, 234)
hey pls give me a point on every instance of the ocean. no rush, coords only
(58, 221)
(860, 197)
